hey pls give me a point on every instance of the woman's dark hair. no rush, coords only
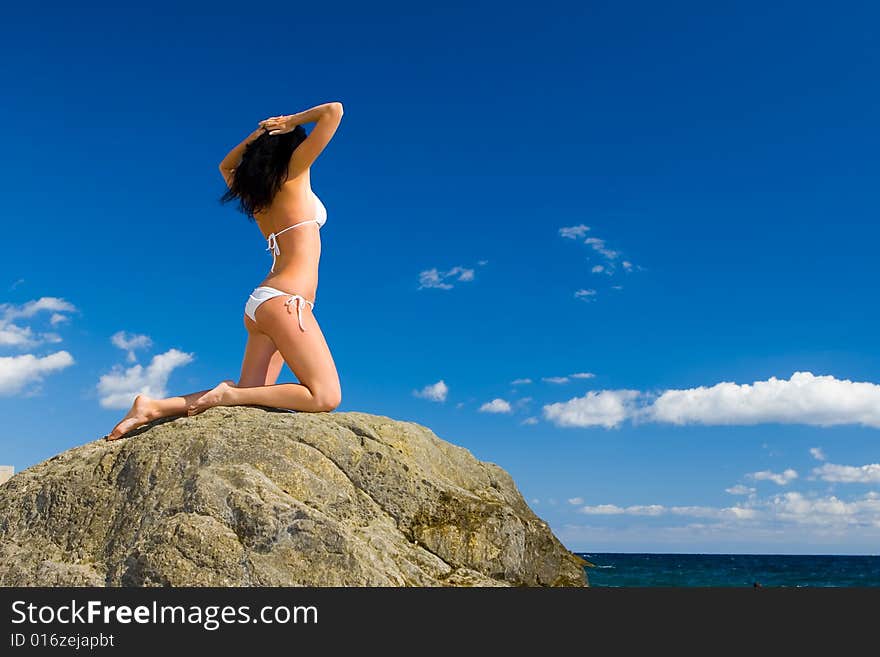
(262, 171)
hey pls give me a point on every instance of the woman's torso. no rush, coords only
(296, 266)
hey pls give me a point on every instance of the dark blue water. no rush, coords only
(618, 569)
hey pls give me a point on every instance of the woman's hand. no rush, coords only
(279, 125)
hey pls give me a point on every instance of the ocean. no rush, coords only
(630, 569)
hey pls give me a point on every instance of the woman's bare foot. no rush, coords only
(143, 410)
(218, 396)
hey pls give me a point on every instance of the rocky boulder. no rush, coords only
(253, 497)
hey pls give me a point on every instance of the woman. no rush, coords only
(269, 175)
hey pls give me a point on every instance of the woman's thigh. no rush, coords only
(305, 352)
(262, 361)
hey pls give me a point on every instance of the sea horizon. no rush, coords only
(670, 569)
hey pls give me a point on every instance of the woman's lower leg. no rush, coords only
(292, 396)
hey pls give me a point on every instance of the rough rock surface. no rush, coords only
(252, 497)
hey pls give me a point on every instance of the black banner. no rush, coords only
(53, 621)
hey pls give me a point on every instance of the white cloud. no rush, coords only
(31, 308)
(803, 399)
(602, 510)
(585, 295)
(575, 500)
(735, 512)
(849, 474)
(573, 232)
(441, 280)
(781, 478)
(131, 342)
(17, 372)
(740, 489)
(567, 378)
(496, 406)
(435, 392)
(118, 388)
(13, 334)
(817, 453)
(627, 265)
(482, 263)
(784, 522)
(530, 421)
(520, 382)
(597, 269)
(599, 246)
(16, 336)
(830, 510)
(607, 408)
(583, 375)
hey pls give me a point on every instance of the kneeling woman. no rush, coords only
(268, 174)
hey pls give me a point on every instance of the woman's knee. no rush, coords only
(327, 400)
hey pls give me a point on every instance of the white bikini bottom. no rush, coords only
(264, 293)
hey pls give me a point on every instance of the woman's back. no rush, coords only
(291, 227)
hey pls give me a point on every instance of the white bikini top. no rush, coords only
(320, 220)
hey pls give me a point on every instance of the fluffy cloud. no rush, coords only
(520, 382)
(599, 247)
(583, 375)
(733, 512)
(13, 334)
(780, 478)
(443, 280)
(610, 259)
(574, 232)
(435, 392)
(576, 500)
(130, 342)
(830, 510)
(496, 406)
(803, 399)
(606, 408)
(31, 308)
(17, 372)
(585, 295)
(567, 378)
(823, 517)
(118, 388)
(817, 453)
(530, 421)
(739, 489)
(849, 474)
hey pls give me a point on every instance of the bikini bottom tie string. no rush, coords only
(299, 304)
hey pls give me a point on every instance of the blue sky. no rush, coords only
(661, 198)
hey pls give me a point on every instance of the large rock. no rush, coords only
(251, 497)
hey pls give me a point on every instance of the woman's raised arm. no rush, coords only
(233, 157)
(327, 118)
